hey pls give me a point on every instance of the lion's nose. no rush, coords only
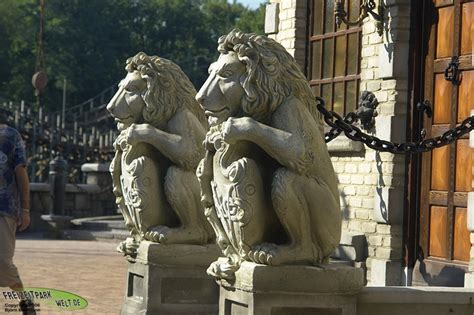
(110, 106)
(113, 102)
(200, 97)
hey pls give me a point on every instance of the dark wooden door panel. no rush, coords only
(442, 100)
(462, 244)
(438, 231)
(463, 166)
(446, 173)
(467, 36)
(466, 94)
(445, 32)
(440, 169)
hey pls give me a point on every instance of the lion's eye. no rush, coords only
(225, 73)
(132, 89)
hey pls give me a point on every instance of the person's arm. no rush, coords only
(22, 182)
(24, 190)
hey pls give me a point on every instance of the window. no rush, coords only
(334, 55)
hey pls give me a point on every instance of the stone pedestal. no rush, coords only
(171, 279)
(265, 290)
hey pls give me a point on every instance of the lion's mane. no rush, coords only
(168, 88)
(272, 74)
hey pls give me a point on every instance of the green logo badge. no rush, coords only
(50, 298)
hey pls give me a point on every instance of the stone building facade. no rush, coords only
(375, 187)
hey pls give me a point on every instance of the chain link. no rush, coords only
(339, 124)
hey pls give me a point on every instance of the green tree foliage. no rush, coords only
(87, 42)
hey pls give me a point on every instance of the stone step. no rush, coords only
(96, 235)
(104, 228)
(100, 223)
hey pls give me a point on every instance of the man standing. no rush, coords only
(14, 203)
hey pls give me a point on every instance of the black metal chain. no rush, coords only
(340, 124)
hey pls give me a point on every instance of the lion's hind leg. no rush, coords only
(183, 194)
(292, 209)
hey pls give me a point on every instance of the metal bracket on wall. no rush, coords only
(367, 7)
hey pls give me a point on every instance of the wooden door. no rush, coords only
(446, 173)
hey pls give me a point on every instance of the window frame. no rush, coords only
(336, 32)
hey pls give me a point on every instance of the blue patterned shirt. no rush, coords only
(12, 154)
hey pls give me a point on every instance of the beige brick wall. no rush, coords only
(384, 71)
(371, 184)
(292, 28)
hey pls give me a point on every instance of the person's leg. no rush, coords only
(9, 276)
(17, 286)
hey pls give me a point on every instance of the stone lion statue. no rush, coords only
(159, 147)
(267, 182)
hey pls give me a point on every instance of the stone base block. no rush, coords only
(171, 279)
(285, 290)
(385, 272)
(469, 280)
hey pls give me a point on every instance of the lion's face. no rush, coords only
(127, 104)
(222, 93)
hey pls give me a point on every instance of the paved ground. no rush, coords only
(93, 270)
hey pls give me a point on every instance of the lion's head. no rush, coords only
(270, 75)
(157, 88)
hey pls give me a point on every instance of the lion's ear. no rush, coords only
(270, 64)
(147, 77)
(166, 83)
(251, 56)
(164, 80)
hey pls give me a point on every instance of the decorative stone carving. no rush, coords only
(267, 182)
(159, 147)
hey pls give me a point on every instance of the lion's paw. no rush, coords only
(274, 255)
(128, 247)
(222, 270)
(157, 234)
(263, 253)
(165, 235)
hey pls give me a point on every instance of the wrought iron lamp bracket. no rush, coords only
(367, 7)
(452, 73)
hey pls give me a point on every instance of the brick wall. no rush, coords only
(371, 184)
(292, 28)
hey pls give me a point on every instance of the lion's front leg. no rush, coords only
(285, 147)
(137, 133)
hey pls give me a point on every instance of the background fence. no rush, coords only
(85, 134)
